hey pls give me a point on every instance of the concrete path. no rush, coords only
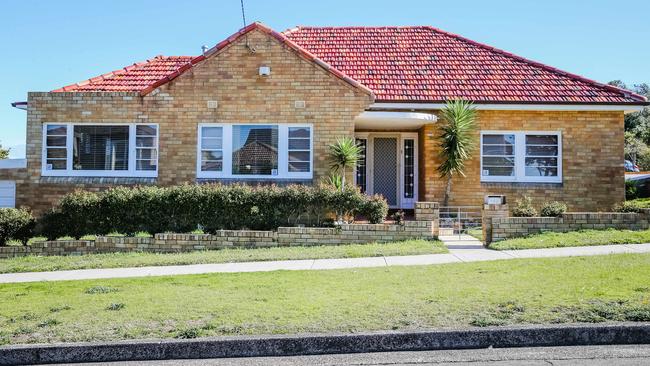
(464, 250)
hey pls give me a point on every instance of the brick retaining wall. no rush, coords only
(512, 227)
(425, 227)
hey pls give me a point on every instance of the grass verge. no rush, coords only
(574, 239)
(520, 291)
(139, 259)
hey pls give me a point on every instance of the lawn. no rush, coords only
(138, 259)
(574, 239)
(520, 291)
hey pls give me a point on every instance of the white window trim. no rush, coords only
(70, 172)
(283, 152)
(520, 158)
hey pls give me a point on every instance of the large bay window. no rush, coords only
(268, 151)
(508, 156)
(100, 150)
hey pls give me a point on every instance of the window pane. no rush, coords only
(409, 168)
(542, 150)
(541, 162)
(145, 141)
(146, 154)
(56, 130)
(541, 172)
(101, 148)
(361, 165)
(211, 143)
(56, 153)
(499, 139)
(299, 167)
(498, 171)
(145, 165)
(499, 161)
(56, 141)
(298, 144)
(212, 155)
(56, 164)
(298, 156)
(255, 150)
(541, 139)
(211, 132)
(498, 149)
(299, 132)
(211, 166)
(145, 130)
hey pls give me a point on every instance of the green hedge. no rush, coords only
(17, 224)
(211, 207)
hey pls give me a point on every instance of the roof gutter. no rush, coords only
(20, 105)
(627, 108)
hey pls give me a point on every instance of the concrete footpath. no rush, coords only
(461, 249)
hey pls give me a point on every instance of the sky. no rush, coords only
(49, 44)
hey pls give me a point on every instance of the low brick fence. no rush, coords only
(501, 228)
(424, 227)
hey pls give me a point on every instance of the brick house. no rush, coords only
(262, 107)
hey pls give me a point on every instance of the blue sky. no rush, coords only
(48, 44)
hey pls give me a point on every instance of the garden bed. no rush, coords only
(574, 239)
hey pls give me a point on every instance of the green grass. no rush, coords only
(139, 259)
(574, 239)
(476, 232)
(520, 291)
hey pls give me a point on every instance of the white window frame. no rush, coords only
(520, 158)
(283, 152)
(70, 172)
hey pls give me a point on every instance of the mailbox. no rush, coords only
(495, 200)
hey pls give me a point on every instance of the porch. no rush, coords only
(390, 163)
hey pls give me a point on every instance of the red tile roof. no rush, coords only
(429, 65)
(136, 77)
(397, 64)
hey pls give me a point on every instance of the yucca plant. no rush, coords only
(344, 153)
(457, 140)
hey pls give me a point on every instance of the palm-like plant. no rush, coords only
(344, 153)
(457, 140)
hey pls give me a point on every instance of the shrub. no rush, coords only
(17, 224)
(375, 209)
(524, 208)
(553, 209)
(631, 190)
(629, 206)
(210, 207)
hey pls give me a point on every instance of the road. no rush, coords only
(546, 356)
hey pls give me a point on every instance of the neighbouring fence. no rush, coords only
(499, 226)
(424, 227)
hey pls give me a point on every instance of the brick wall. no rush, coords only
(285, 236)
(229, 77)
(592, 161)
(512, 227)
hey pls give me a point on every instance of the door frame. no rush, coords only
(402, 202)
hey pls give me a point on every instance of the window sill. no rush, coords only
(522, 184)
(257, 181)
(98, 180)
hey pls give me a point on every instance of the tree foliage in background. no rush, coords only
(637, 128)
(457, 140)
(4, 153)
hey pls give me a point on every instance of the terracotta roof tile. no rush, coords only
(399, 64)
(426, 64)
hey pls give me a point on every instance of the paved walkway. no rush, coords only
(464, 249)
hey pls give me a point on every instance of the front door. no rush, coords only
(385, 168)
(388, 166)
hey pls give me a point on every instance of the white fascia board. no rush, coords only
(515, 107)
(387, 120)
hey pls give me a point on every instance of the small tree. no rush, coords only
(456, 140)
(4, 153)
(344, 153)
